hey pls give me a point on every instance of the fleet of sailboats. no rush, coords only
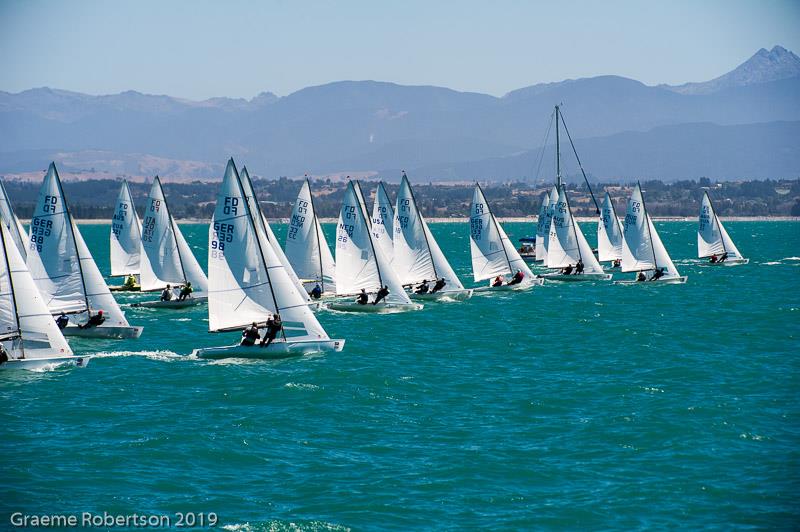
(712, 238)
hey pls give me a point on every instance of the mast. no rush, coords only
(320, 238)
(494, 220)
(74, 240)
(172, 226)
(572, 220)
(424, 233)
(585, 179)
(649, 233)
(716, 220)
(13, 294)
(558, 151)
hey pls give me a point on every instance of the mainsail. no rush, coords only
(551, 206)
(567, 243)
(417, 256)
(126, 235)
(247, 282)
(382, 221)
(541, 227)
(166, 257)
(359, 262)
(12, 223)
(609, 233)
(643, 249)
(306, 247)
(362, 202)
(712, 238)
(493, 253)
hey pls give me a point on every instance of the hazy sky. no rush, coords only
(199, 49)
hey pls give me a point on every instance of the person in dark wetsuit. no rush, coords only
(567, 270)
(316, 293)
(382, 293)
(498, 281)
(274, 326)
(62, 321)
(422, 288)
(658, 274)
(439, 285)
(94, 321)
(3, 355)
(362, 298)
(186, 291)
(250, 335)
(579, 267)
(724, 257)
(713, 259)
(518, 277)
(166, 295)
(617, 263)
(640, 277)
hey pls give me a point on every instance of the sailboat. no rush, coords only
(248, 284)
(551, 207)
(493, 254)
(642, 249)
(417, 256)
(306, 247)
(12, 223)
(713, 239)
(30, 337)
(65, 272)
(166, 257)
(609, 233)
(125, 239)
(568, 247)
(360, 264)
(542, 223)
(382, 221)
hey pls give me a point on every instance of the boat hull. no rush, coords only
(369, 308)
(42, 363)
(123, 288)
(276, 350)
(173, 304)
(447, 295)
(576, 278)
(112, 331)
(663, 280)
(513, 287)
(728, 262)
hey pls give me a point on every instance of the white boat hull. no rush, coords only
(445, 295)
(576, 277)
(174, 303)
(729, 262)
(369, 308)
(276, 350)
(43, 363)
(663, 280)
(104, 332)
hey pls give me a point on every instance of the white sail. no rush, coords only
(12, 223)
(165, 256)
(359, 262)
(247, 282)
(643, 249)
(541, 227)
(306, 247)
(548, 217)
(492, 252)
(662, 258)
(362, 202)
(27, 330)
(712, 238)
(567, 243)
(417, 256)
(126, 235)
(609, 233)
(383, 221)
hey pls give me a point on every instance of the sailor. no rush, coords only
(94, 321)
(617, 263)
(422, 288)
(518, 277)
(382, 293)
(274, 326)
(567, 270)
(579, 267)
(713, 259)
(62, 320)
(250, 335)
(362, 298)
(658, 274)
(640, 277)
(166, 294)
(498, 281)
(316, 293)
(439, 285)
(186, 291)
(130, 283)
(3, 355)
(723, 257)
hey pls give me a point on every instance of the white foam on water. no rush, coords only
(773, 263)
(163, 356)
(301, 386)
(792, 258)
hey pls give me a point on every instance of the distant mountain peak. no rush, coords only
(764, 66)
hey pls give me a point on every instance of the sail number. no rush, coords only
(230, 206)
(298, 220)
(40, 229)
(223, 233)
(119, 218)
(476, 228)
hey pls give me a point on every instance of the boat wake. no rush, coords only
(161, 356)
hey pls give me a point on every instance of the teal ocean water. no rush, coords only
(572, 406)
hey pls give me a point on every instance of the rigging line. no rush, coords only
(543, 145)
(579, 162)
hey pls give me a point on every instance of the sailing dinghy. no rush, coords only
(248, 284)
(642, 250)
(568, 247)
(383, 221)
(166, 258)
(29, 335)
(12, 223)
(361, 264)
(417, 256)
(306, 247)
(493, 254)
(126, 239)
(65, 272)
(609, 234)
(713, 240)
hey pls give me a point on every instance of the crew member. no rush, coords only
(362, 299)
(274, 326)
(186, 290)
(382, 293)
(316, 293)
(166, 294)
(62, 320)
(250, 335)
(518, 277)
(94, 321)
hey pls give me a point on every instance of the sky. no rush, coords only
(200, 49)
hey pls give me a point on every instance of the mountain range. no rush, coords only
(743, 124)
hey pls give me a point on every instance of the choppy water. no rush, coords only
(580, 406)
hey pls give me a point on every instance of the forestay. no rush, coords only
(12, 223)
(643, 249)
(359, 263)
(247, 282)
(166, 257)
(609, 233)
(492, 252)
(712, 238)
(417, 256)
(306, 247)
(126, 235)
(567, 243)
(383, 221)
(541, 227)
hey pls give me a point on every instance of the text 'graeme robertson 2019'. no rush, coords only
(108, 520)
